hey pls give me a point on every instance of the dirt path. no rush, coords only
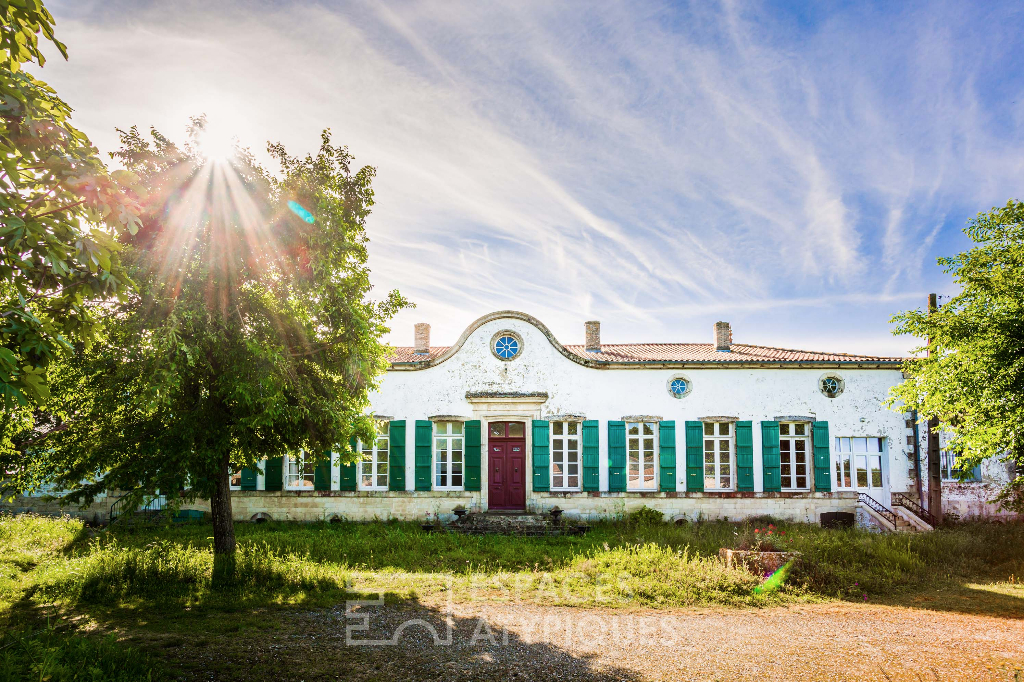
(528, 642)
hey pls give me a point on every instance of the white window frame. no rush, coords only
(232, 486)
(290, 479)
(565, 439)
(849, 450)
(717, 438)
(641, 459)
(793, 438)
(370, 464)
(444, 443)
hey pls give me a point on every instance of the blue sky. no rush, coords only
(793, 168)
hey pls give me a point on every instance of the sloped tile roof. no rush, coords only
(408, 354)
(705, 352)
(677, 352)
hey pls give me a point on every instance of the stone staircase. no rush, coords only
(515, 523)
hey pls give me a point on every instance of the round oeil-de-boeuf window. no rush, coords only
(506, 345)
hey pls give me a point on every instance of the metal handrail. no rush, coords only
(878, 507)
(908, 503)
(154, 503)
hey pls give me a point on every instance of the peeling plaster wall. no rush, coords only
(971, 499)
(609, 394)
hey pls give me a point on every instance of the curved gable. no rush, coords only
(433, 360)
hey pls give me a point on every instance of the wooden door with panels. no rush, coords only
(506, 465)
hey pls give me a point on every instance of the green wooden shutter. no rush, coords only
(322, 474)
(541, 455)
(975, 473)
(396, 455)
(770, 461)
(591, 455)
(617, 456)
(472, 479)
(745, 456)
(667, 456)
(695, 457)
(424, 436)
(822, 458)
(348, 470)
(274, 474)
(249, 479)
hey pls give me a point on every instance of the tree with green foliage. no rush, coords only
(972, 379)
(60, 213)
(249, 333)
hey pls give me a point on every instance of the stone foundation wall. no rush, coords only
(98, 512)
(366, 506)
(411, 506)
(805, 507)
(351, 506)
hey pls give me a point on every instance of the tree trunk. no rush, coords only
(223, 527)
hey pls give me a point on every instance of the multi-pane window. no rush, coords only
(718, 449)
(641, 446)
(235, 480)
(565, 455)
(859, 461)
(448, 464)
(373, 468)
(947, 464)
(300, 471)
(794, 449)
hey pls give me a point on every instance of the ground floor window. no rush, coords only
(300, 471)
(641, 446)
(859, 461)
(565, 455)
(235, 480)
(718, 449)
(373, 468)
(793, 455)
(448, 464)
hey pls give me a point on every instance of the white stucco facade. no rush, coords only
(748, 394)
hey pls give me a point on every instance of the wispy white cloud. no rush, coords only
(654, 165)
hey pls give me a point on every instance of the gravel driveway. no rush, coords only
(530, 642)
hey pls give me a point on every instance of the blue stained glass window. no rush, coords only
(506, 347)
(678, 386)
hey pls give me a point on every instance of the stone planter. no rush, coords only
(759, 563)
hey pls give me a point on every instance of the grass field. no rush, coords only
(58, 577)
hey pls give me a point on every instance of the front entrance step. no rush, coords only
(515, 523)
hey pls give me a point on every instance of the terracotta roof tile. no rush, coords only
(705, 352)
(679, 352)
(407, 354)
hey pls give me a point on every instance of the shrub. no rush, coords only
(645, 516)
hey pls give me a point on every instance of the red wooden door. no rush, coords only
(506, 465)
(496, 476)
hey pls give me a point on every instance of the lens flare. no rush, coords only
(300, 211)
(775, 580)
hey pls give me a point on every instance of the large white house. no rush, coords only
(509, 418)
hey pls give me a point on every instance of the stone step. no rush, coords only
(503, 523)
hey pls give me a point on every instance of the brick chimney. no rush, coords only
(723, 337)
(593, 336)
(422, 346)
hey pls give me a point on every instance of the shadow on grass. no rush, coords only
(982, 600)
(398, 639)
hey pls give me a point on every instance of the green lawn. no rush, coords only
(159, 577)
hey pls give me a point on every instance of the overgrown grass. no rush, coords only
(49, 654)
(637, 563)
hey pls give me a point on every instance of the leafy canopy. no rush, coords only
(250, 332)
(59, 213)
(973, 378)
